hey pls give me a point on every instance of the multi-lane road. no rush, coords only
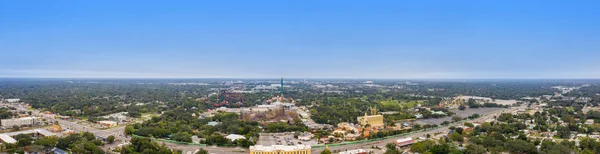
(366, 145)
(120, 138)
(382, 143)
(117, 132)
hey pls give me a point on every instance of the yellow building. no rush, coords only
(280, 149)
(373, 120)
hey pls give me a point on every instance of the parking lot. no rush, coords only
(282, 139)
(462, 113)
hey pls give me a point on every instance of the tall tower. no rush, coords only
(281, 86)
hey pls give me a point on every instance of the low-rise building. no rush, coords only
(404, 142)
(107, 123)
(25, 121)
(351, 137)
(213, 123)
(280, 149)
(234, 137)
(373, 120)
(355, 151)
(589, 122)
(118, 117)
(8, 137)
(306, 136)
(13, 100)
(55, 128)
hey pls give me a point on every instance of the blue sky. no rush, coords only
(300, 39)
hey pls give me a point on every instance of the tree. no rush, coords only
(47, 142)
(421, 147)
(110, 139)
(563, 132)
(391, 149)
(475, 149)
(145, 145)
(468, 124)
(202, 151)
(456, 118)
(326, 151)
(129, 130)
(390, 146)
(558, 149)
(182, 137)
(520, 146)
(455, 136)
(23, 140)
(587, 151)
(440, 149)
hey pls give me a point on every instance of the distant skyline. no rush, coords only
(537, 39)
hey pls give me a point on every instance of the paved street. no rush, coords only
(118, 131)
(382, 143)
(367, 145)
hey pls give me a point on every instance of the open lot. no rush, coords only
(461, 113)
(282, 139)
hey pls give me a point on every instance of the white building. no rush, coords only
(279, 85)
(589, 122)
(8, 137)
(9, 123)
(13, 100)
(306, 136)
(107, 123)
(119, 117)
(356, 151)
(404, 142)
(299, 149)
(234, 137)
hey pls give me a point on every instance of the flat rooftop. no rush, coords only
(7, 137)
(280, 147)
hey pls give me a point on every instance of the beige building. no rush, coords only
(107, 123)
(280, 149)
(373, 120)
(26, 121)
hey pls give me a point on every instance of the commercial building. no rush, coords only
(306, 136)
(118, 117)
(55, 128)
(404, 142)
(280, 149)
(356, 151)
(234, 137)
(25, 121)
(8, 137)
(373, 120)
(107, 123)
(13, 100)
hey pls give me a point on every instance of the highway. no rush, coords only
(120, 138)
(382, 143)
(366, 145)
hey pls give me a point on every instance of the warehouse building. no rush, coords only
(19, 122)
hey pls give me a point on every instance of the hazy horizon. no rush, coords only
(302, 39)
